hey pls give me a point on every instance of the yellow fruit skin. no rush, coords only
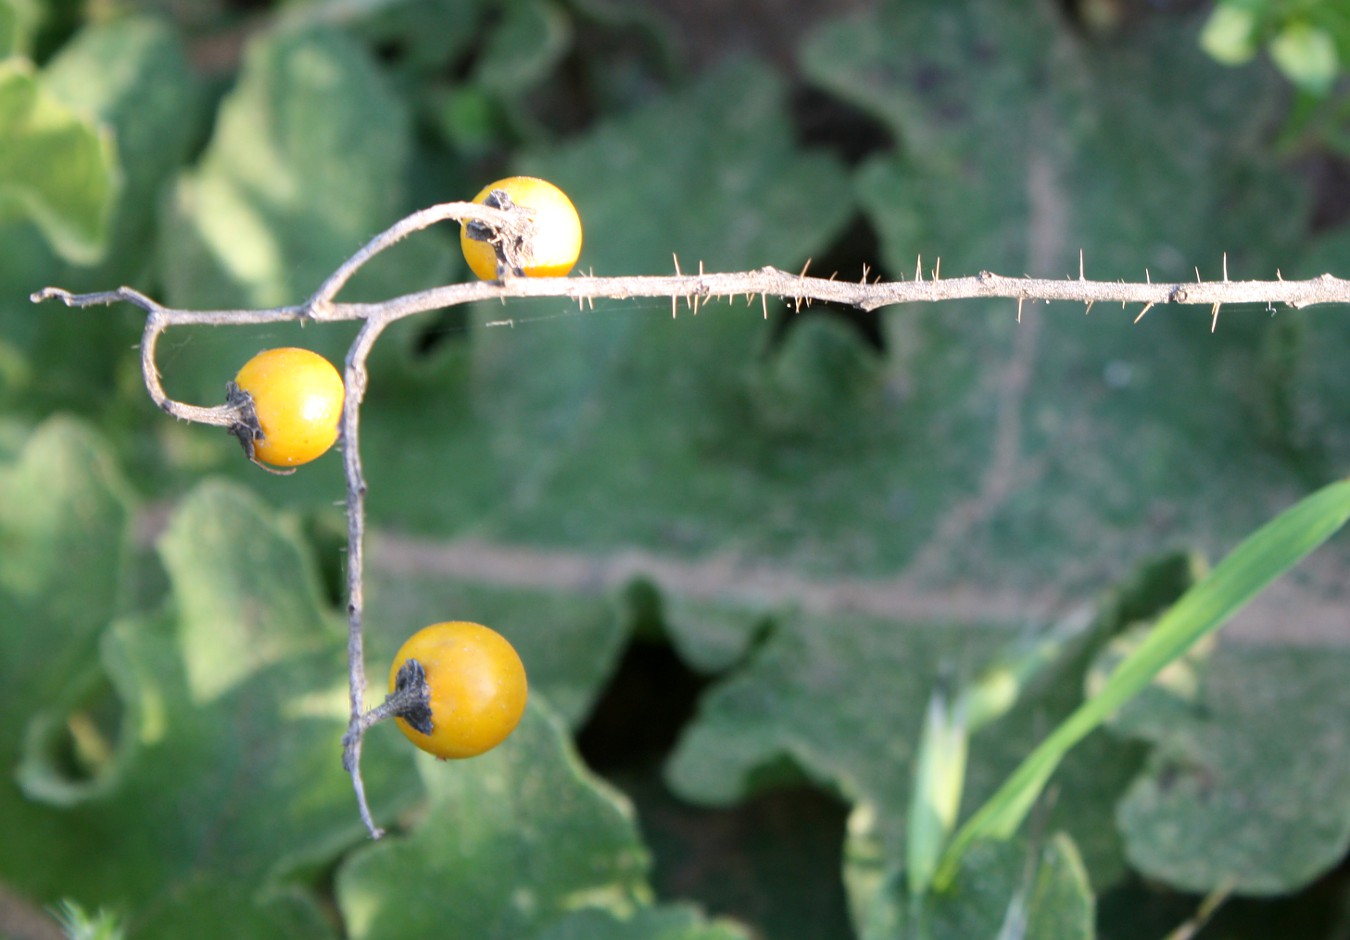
(557, 234)
(477, 687)
(297, 396)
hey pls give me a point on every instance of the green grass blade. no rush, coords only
(939, 777)
(1258, 560)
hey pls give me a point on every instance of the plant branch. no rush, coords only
(511, 225)
(697, 289)
(355, 378)
(320, 305)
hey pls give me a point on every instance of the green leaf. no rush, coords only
(1060, 902)
(840, 700)
(64, 534)
(429, 36)
(509, 842)
(546, 432)
(1306, 54)
(1256, 756)
(131, 75)
(228, 780)
(978, 185)
(1304, 370)
(713, 636)
(1082, 166)
(17, 19)
(1171, 698)
(523, 48)
(79, 924)
(1229, 35)
(307, 162)
(58, 168)
(1007, 890)
(648, 923)
(939, 780)
(1013, 674)
(10, 41)
(761, 200)
(1261, 558)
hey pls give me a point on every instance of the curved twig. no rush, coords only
(320, 304)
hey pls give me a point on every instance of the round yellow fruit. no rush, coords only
(555, 238)
(476, 688)
(297, 398)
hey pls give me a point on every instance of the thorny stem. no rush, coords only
(694, 289)
(697, 289)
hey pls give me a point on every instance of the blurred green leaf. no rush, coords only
(1261, 558)
(10, 41)
(1306, 412)
(1014, 672)
(468, 118)
(64, 534)
(58, 168)
(939, 781)
(229, 780)
(1174, 694)
(524, 47)
(79, 924)
(983, 185)
(546, 433)
(729, 187)
(422, 37)
(132, 75)
(986, 186)
(17, 18)
(711, 635)
(510, 841)
(305, 165)
(1248, 784)
(842, 700)
(1230, 33)
(1306, 54)
(648, 923)
(845, 703)
(1007, 891)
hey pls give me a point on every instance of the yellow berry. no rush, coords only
(476, 688)
(555, 244)
(297, 399)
